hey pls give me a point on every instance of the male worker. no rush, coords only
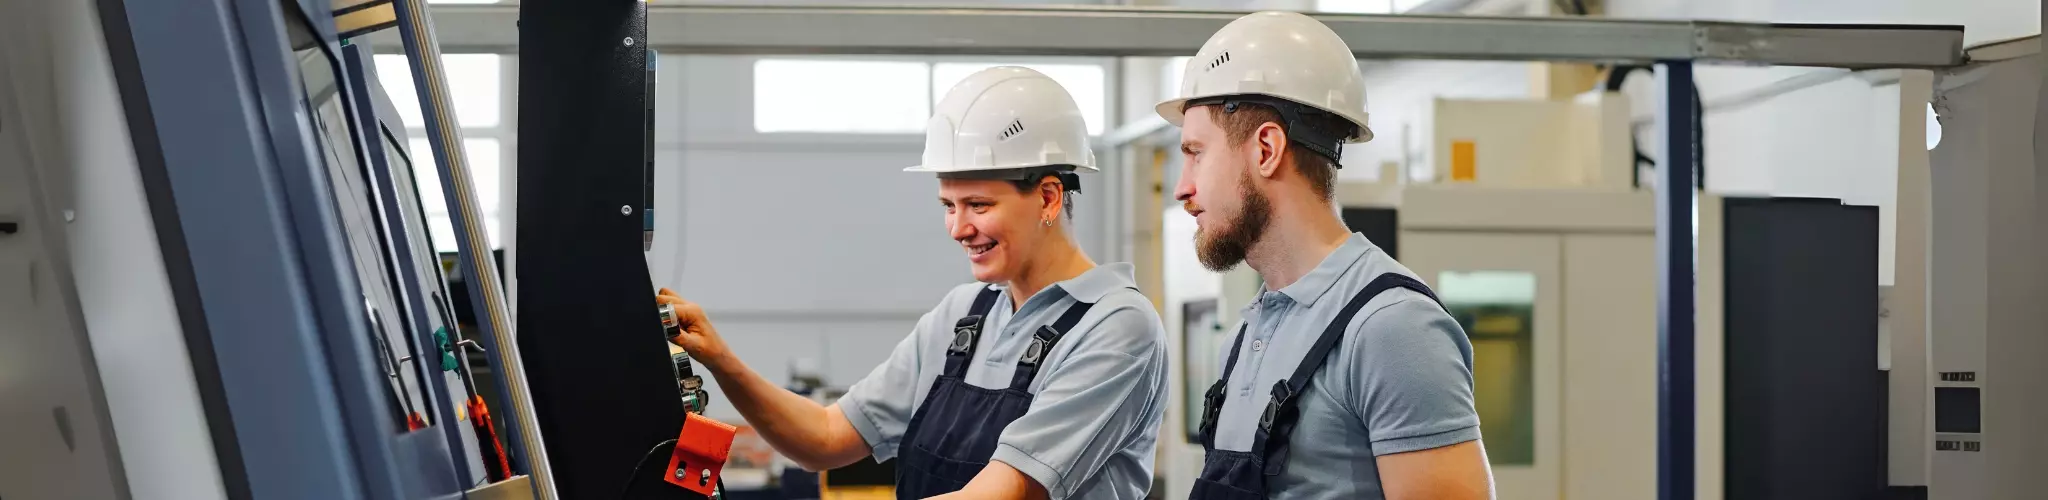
(1370, 379)
(1044, 378)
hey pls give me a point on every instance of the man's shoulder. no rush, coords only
(1397, 323)
(1393, 307)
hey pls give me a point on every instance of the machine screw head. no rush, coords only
(625, 210)
(629, 41)
(680, 473)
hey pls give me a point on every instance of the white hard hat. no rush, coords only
(1006, 122)
(1282, 55)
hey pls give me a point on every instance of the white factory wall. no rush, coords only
(64, 145)
(809, 248)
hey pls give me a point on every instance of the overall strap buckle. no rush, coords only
(964, 333)
(967, 330)
(1041, 341)
(1282, 406)
(1276, 426)
(1212, 410)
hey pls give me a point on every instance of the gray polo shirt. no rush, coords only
(1094, 422)
(1400, 381)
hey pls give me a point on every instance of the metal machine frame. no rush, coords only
(267, 304)
(272, 314)
(605, 409)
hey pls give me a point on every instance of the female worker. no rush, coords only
(1045, 378)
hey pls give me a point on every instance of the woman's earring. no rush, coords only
(1048, 223)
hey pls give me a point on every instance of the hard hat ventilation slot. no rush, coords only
(1016, 127)
(1219, 60)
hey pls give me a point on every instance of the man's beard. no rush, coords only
(1229, 246)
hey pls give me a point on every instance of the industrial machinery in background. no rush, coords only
(1543, 247)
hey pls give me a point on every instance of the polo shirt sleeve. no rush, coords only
(1411, 378)
(1100, 399)
(880, 405)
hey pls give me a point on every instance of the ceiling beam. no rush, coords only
(1129, 31)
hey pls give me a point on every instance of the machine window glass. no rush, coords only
(841, 96)
(475, 83)
(1497, 310)
(483, 156)
(1086, 82)
(396, 77)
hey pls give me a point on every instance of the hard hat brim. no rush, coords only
(948, 170)
(1174, 111)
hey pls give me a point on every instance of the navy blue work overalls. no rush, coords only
(1242, 475)
(953, 434)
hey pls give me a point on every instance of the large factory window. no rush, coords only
(477, 90)
(835, 96)
(890, 97)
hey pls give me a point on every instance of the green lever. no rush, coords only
(448, 361)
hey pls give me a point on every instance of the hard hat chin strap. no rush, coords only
(1329, 143)
(1071, 180)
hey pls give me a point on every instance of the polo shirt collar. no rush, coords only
(1318, 282)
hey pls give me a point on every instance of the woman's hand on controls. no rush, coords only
(698, 337)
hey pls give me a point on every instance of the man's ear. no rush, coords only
(1271, 142)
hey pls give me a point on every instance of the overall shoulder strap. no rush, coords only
(1212, 402)
(967, 332)
(1334, 333)
(1042, 342)
(1277, 423)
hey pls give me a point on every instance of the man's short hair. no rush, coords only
(1321, 171)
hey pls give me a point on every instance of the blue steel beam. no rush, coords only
(1676, 237)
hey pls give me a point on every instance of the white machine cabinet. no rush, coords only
(1556, 288)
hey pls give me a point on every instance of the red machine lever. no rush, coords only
(701, 451)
